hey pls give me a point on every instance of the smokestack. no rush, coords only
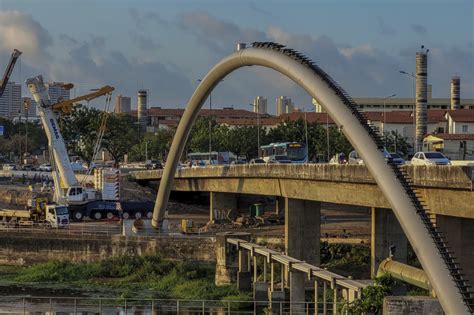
(142, 109)
(456, 92)
(421, 97)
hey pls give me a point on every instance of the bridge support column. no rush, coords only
(244, 276)
(385, 232)
(302, 241)
(303, 230)
(280, 206)
(459, 232)
(227, 257)
(222, 207)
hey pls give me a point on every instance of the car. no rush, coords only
(45, 168)
(278, 159)
(10, 167)
(257, 161)
(153, 165)
(397, 159)
(354, 158)
(430, 158)
(238, 162)
(28, 167)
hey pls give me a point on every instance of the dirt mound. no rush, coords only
(133, 191)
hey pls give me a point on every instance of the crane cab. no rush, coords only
(78, 194)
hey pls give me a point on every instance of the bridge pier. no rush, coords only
(459, 232)
(385, 232)
(223, 206)
(302, 241)
(227, 258)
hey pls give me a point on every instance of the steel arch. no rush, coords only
(321, 87)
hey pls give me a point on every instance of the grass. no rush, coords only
(149, 276)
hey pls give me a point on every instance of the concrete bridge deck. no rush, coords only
(446, 190)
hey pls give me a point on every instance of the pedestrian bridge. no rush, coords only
(445, 190)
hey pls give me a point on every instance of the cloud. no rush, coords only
(141, 20)
(143, 42)
(19, 30)
(384, 28)
(253, 6)
(219, 35)
(68, 40)
(418, 29)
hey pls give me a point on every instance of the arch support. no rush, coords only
(324, 89)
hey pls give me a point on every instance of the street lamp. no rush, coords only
(414, 106)
(257, 106)
(383, 125)
(306, 133)
(210, 126)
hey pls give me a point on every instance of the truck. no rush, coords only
(102, 201)
(37, 212)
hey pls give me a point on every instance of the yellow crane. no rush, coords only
(66, 106)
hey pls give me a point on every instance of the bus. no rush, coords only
(217, 158)
(295, 151)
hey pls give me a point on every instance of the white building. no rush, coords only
(460, 121)
(284, 105)
(10, 102)
(123, 104)
(57, 92)
(260, 105)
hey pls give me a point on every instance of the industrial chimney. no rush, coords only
(421, 97)
(142, 109)
(456, 92)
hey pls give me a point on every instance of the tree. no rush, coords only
(157, 145)
(394, 142)
(120, 135)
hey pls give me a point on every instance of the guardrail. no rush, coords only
(86, 305)
(97, 232)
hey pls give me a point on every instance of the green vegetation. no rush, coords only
(373, 296)
(150, 276)
(346, 259)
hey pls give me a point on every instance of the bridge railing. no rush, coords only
(86, 305)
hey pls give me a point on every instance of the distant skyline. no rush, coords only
(166, 46)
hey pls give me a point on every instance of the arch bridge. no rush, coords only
(439, 263)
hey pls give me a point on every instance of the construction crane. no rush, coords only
(67, 188)
(6, 76)
(80, 200)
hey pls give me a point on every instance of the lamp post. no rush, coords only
(414, 106)
(306, 133)
(383, 125)
(210, 125)
(327, 135)
(258, 127)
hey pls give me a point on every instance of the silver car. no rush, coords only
(430, 158)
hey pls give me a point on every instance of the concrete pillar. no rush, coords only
(459, 236)
(280, 206)
(303, 230)
(244, 276)
(385, 232)
(297, 293)
(260, 295)
(302, 241)
(223, 207)
(227, 258)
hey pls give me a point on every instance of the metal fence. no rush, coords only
(109, 306)
(96, 231)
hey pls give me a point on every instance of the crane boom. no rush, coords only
(66, 106)
(56, 142)
(8, 71)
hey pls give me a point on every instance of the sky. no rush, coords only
(166, 46)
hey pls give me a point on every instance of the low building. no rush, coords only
(460, 121)
(454, 146)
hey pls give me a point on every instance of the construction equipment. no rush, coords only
(6, 76)
(188, 227)
(100, 202)
(37, 211)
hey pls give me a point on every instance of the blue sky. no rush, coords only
(165, 46)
